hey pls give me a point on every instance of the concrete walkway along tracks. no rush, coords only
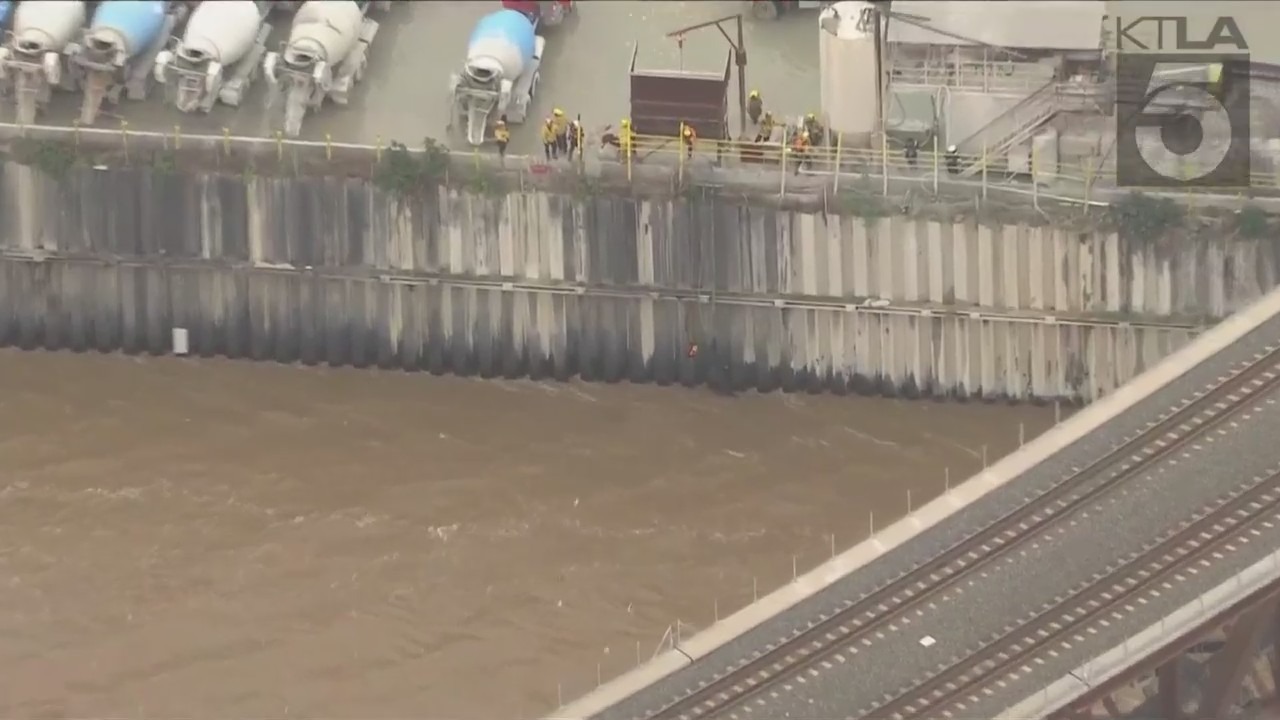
(1227, 522)
(843, 630)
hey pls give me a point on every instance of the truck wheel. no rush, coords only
(764, 9)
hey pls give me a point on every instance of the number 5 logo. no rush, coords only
(1184, 131)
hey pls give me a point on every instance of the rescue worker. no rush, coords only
(800, 144)
(502, 136)
(689, 136)
(765, 131)
(814, 128)
(561, 125)
(549, 140)
(755, 106)
(626, 138)
(577, 136)
(911, 152)
(953, 160)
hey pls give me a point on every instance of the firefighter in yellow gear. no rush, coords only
(561, 125)
(814, 127)
(626, 138)
(549, 140)
(688, 136)
(755, 106)
(766, 128)
(800, 144)
(577, 137)
(501, 136)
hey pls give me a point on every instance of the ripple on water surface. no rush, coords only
(225, 539)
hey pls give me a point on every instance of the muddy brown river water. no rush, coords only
(217, 539)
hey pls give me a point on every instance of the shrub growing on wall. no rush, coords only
(1143, 217)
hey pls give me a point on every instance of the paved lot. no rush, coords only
(405, 94)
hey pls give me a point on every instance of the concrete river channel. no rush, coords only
(209, 538)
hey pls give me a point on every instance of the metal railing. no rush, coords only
(657, 162)
(991, 77)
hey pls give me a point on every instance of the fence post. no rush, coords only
(377, 148)
(680, 155)
(75, 133)
(124, 138)
(1035, 180)
(226, 141)
(935, 163)
(884, 161)
(985, 162)
(629, 150)
(328, 146)
(835, 190)
(782, 163)
(279, 146)
(177, 138)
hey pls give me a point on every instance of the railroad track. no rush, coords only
(855, 620)
(1230, 521)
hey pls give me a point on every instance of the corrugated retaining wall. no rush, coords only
(333, 270)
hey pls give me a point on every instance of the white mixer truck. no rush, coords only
(32, 63)
(118, 50)
(325, 54)
(500, 75)
(217, 56)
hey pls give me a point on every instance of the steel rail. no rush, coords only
(855, 619)
(1226, 522)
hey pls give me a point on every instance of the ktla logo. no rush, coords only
(1183, 120)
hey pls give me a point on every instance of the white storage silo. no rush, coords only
(847, 67)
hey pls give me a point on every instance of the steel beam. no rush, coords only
(1227, 666)
(1170, 652)
(1169, 688)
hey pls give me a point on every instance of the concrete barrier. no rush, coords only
(690, 244)
(512, 329)
(927, 516)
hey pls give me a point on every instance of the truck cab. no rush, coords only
(774, 9)
(541, 12)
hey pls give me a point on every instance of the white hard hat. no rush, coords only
(951, 148)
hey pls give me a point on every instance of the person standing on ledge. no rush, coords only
(690, 136)
(549, 140)
(755, 106)
(502, 136)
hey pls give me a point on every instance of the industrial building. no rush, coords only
(1017, 80)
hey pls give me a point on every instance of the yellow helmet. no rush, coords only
(502, 123)
(558, 112)
(688, 131)
(755, 93)
(811, 116)
(805, 134)
(626, 123)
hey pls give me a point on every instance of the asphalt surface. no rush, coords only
(1058, 660)
(1127, 519)
(404, 95)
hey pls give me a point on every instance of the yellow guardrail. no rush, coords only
(1071, 181)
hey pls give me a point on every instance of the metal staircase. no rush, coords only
(1010, 128)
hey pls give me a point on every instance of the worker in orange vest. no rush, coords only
(689, 136)
(800, 146)
(502, 136)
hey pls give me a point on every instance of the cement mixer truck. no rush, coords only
(117, 52)
(325, 55)
(217, 56)
(500, 75)
(32, 63)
